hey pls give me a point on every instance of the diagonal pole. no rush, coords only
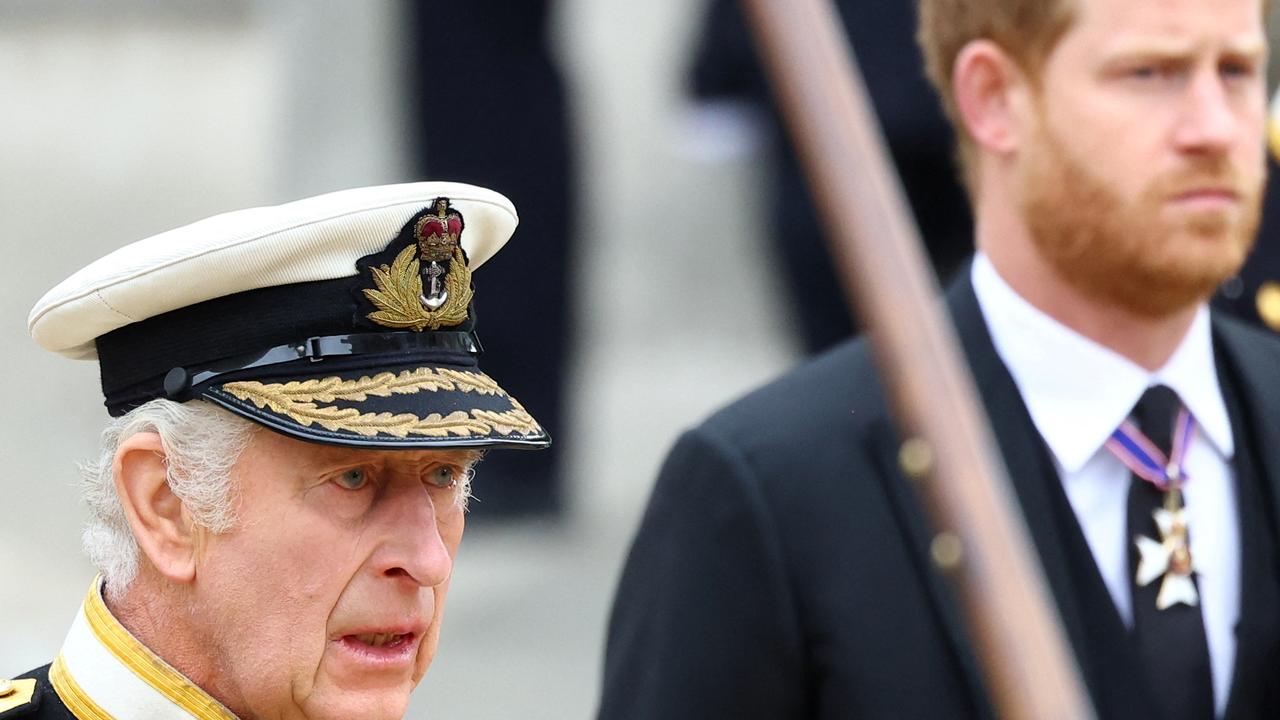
(982, 541)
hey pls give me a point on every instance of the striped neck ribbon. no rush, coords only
(1147, 461)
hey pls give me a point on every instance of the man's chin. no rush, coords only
(1203, 249)
(1171, 288)
(1155, 271)
(350, 685)
(1198, 260)
(344, 704)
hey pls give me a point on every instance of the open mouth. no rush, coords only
(381, 650)
(388, 641)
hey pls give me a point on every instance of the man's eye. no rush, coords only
(1157, 72)
(1237, 69)
(443, 476)
(353, 479)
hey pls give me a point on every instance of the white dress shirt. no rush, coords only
(1078, 392)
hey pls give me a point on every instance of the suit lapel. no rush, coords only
(1256, 364)
(1027, 461)
(1247, 369)
(884, 443)
(1025, 457)
(1034, 481)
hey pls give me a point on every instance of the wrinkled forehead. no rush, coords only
(1168, 27)
(275, 450)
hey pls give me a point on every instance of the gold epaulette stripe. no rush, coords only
(73, 696)
(16, 693)
(146, 665)
(1273, 135)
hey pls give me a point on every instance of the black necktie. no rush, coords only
(1170, 642)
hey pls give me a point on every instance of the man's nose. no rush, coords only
(1208, 122)
(413, 549)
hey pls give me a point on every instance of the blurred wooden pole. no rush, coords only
(982, 541)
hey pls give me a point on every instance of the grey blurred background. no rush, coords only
(122, 118)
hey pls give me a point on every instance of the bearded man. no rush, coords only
(298, 411)
(1113, 152)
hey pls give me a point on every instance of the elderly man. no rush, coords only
(280, 495)
(1113, 150)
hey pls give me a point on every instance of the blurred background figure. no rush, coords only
(1255, 294)
(725, 68)
(487, 104)
(726, 77)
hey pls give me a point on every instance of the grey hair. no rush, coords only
(464, 485)
(201, 444)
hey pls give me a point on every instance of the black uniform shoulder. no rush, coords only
(800, 438)
(32, 698)
(833, 392)
(1246, 336)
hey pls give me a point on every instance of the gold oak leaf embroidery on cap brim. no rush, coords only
(407, 382)
(399, 293)
(299, 401)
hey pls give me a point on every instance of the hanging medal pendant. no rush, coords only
(1171, 556)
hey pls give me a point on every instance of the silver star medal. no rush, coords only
(1171, 557)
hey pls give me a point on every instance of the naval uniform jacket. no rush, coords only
(104, 673)
(782, 569)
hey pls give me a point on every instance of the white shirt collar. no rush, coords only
(1078, 391)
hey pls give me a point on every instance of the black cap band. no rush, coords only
(177, 384)
(179, 381)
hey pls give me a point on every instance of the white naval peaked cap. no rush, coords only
(344, 319)
(318, 238)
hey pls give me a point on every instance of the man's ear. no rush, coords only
(163, 530)
(991, 95)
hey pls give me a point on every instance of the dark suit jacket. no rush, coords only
(781, 569)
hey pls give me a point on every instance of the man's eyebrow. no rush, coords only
(463, 457)
(1251, 45)
(325, 459)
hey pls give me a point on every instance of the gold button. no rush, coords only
(915, 457)
(947, 550)
(1268, 300)
(7, 688)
